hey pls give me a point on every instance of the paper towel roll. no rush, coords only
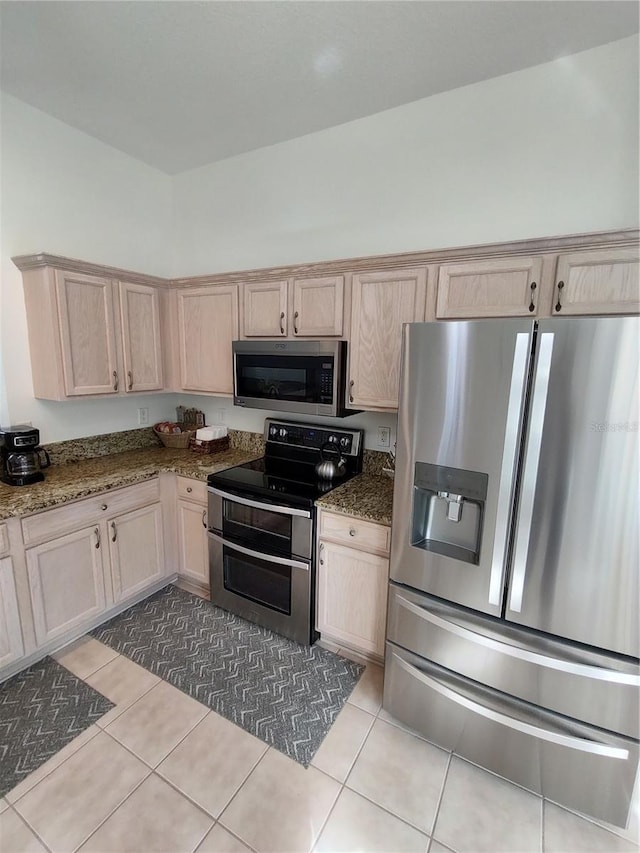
(209, 433)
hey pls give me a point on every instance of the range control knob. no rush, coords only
(333, 439)
(273, 430)
(345, 441)
(282, 432)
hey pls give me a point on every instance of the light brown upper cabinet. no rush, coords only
(91, 335)
(207, 324)
(597, 282)
(141, 345)
(291, 308)
(503, 287)
(380, 304)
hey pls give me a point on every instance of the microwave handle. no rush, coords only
(263, 505)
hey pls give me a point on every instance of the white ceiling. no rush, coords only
(179, 84)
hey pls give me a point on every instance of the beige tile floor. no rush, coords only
(160, 772)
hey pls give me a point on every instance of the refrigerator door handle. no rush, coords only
(578, 743)
(507, 469)
(531, 656)
(530, 473)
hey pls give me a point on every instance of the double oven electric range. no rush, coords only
(261, 526)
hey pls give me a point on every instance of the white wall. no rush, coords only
(544, 151)
(65, 193)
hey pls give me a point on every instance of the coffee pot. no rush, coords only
(21, 460)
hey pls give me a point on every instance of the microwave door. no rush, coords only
(462, 396)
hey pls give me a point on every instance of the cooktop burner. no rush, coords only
(287, 472)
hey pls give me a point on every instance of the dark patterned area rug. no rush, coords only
(41, 710)
(284, 693)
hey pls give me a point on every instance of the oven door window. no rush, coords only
(258, 580)
(258, 529)
(294, 379)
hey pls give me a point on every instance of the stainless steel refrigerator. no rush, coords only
(513, 625)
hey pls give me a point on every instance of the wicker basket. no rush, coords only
(176, 440)
(216, 445)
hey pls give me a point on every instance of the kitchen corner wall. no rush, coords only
(544, 151)
(65, 193)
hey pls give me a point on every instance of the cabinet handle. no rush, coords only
(103, 507)
(96, 530)
(130, 378)
(204, 518)
(189, 489)
(558, 303)
(532, 306)
(282, 322)
(321, 550)
(295, 323)
(115, 380)
(114, 531)
(351, 384)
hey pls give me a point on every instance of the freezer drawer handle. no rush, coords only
(595, 672)
(507, 469)
(268, 558)
(263, 505)
(511, 722)
(530, 475)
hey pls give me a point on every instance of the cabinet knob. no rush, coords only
(282, 322)
(559, 303)
(104, 506)
(189, 489)
(115, 380)
(352, 531)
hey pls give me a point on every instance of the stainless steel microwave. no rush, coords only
(308, 377)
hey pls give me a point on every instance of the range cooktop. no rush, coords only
(286, 474)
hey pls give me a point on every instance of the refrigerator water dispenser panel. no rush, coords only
(448, 509)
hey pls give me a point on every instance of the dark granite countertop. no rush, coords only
(91, 476)
(367, 496)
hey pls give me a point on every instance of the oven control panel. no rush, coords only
(294, 434)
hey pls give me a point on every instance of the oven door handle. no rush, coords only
(264, 505)
(269, 558)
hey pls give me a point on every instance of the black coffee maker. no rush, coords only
(20, 457)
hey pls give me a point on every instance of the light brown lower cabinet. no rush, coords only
(67, 581)
(11, 644)
(136, 550)
(192, 539)
(352, 583)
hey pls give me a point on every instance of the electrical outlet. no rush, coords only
(222, 414)
(384, 436)
(143, 416)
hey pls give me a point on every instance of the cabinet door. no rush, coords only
(318, 306)
(66, 582)
(192, 539)
(601, 282)
(11, 645)
(87, 334)
(381, 303)
(207, 324)
(264, 309)
(137, 551)
(507, 287)
(352, 597)
(141, 346)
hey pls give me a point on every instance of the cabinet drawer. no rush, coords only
(192, 490)
(73, 516)
(4, 539)
(363, 535)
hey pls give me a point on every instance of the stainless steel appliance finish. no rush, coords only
(261, 520)
(531, 589)
(303, 377)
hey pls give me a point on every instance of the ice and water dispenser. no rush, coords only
(448, 509)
